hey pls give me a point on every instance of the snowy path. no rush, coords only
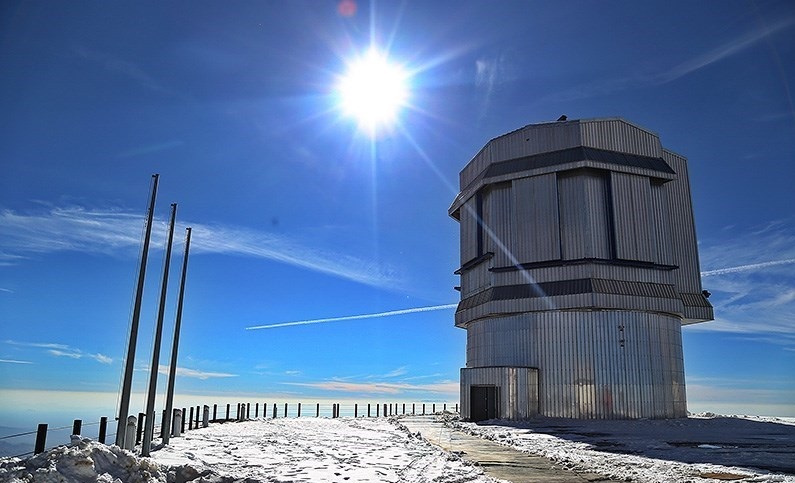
(316, 450)
(695, 449)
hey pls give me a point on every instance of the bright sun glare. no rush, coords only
(373, 91)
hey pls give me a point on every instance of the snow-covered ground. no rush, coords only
(279, 450)
(701, 448)
(697, 449)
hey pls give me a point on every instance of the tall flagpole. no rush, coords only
(172, 371)
(126, 388)
(149, 428)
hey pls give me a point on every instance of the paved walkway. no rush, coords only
(497, 461)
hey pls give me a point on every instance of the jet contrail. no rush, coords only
(356, 317)
(707, 273)
(743, 268)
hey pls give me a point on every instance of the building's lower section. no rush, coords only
(499, 393)
(597, 364)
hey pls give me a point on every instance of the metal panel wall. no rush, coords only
(518, 389)
(591, 364)
(661, 226)
(585, 225)
(469, 227)
(475, 280)
(536, 236)
(536, 139)
(631, 209)
(683, 231)
(499, 209)
(620, 135)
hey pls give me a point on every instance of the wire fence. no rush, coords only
(195, 417)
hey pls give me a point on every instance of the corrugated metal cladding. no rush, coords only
(517, 393)
(579, 260)
(591, 364)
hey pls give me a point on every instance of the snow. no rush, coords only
(746, 448)
(294, 450)
(699, 449)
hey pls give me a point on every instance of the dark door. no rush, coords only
(483, 402)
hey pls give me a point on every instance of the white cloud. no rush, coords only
(203, 375)
(400, 371)
(63, 350)
(439, 389)
(753, 295)
(728, 49)
(114, 232)
(14, 361)
(601, 87)
(60, 353)
(44, 345)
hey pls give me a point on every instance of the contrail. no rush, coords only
(743, 268)
(707, 273)
(356, 317)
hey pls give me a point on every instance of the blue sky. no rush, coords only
(299, 215)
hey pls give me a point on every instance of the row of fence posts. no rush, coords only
(135, 425)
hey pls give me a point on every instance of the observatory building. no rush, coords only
(579, 267)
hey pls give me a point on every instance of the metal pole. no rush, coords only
(150, 401)
(172, 369)
(126, 388)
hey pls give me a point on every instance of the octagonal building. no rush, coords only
(579, 267)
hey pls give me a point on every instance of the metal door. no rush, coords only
(484, 403)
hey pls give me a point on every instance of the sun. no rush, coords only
(373, 91)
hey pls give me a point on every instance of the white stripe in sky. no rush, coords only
(720, 271)
(745, 268)
(357, 317)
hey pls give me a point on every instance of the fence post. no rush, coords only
(404, 409)
(197, 417)
(215, 412)
(163, 423)
(317, 411)
(206, 416)
(190, 419)
(299, 410)
(456, 407)
(355, 410)
(183, 418)
(77, 425)
(377, 410)
(140, 432)
(179, 422)
(227, 411)
(256, 410)
(248, 410)
(423, 409)
(41, 438)
(412, 409)
(275, 411)
(384, 410)
(444, 407)
(264, 410)
(368, 410)
(129, 434)
(433, 410)
(103, 428)
(285, 410)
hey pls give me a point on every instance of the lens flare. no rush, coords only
(373, 91)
